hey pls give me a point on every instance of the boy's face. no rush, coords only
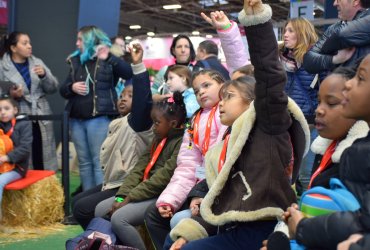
(356, 93)
(7, 111)
(124, 102)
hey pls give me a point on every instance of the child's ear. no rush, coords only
(173, 124)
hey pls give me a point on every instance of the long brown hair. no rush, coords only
(306, 36)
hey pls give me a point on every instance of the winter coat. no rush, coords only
(233, 47)
(102, 96)
(257, 169)
(299, 88)
(34, 102)
(190, 101)
(212, 62)
(325, 232)
(128, 136)
(138, 190)
(319, 146)
(356, 33)
(316, 60)
(184, 179)
(22, 143)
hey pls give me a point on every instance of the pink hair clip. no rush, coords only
(170, 100)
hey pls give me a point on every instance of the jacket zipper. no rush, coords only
(94, 96)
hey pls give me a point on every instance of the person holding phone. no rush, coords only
(32, 80)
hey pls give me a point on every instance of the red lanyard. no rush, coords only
(157, 152)
(11, 130)
(325, 161)
(207, 134)
(222, 159)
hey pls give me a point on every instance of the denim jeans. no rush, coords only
(179, 216)
(88, 136)
(6, 178)
(306, 166)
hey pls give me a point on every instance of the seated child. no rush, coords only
(151, 174)
(14, 160)
(116, 156)
(178, 78)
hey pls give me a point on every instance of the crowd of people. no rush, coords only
(208, 156)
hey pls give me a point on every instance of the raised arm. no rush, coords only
(271, 100)
(230, 38)
(139, 118)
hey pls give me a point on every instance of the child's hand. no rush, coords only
(344, 245)
(178, 244)
(253, 7)
(295, 217)
(194, 205)
(217, 19)
(3, 159)
(136, 53)
(165, 211)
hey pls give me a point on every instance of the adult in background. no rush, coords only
(302, 87)
(207, 58)
(183, 51)
(90, 91)
(33, 81)
(316, 60)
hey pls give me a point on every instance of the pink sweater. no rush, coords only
(183, 179)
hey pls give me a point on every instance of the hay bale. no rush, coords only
(40, 204)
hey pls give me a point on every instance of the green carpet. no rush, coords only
(53, 241)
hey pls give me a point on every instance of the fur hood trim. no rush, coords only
(239, 135)
(359, 130)
(250, 20)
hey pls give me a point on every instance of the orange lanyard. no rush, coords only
(11, 130)
(222, 159)
(325, 161)
(207, 134)
(157, 152)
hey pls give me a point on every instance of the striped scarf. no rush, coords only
(23, 69)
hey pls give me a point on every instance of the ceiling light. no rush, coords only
(195, 33)
(175, 35)
(135, 27)
(171, 6)
(150, 33)
(128, 37)
(209, 36)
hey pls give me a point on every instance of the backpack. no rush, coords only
(98, 235)
(319, 201)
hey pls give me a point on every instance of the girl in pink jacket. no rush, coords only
(204, 131)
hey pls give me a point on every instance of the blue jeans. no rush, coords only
(88, 136)
(245, 236)
(179, 216)
(306, 166)
(5, 179)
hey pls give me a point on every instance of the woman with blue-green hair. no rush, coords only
(90, 91)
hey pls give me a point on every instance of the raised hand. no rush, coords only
(137, 52)
(217, 19)
(252, 7)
